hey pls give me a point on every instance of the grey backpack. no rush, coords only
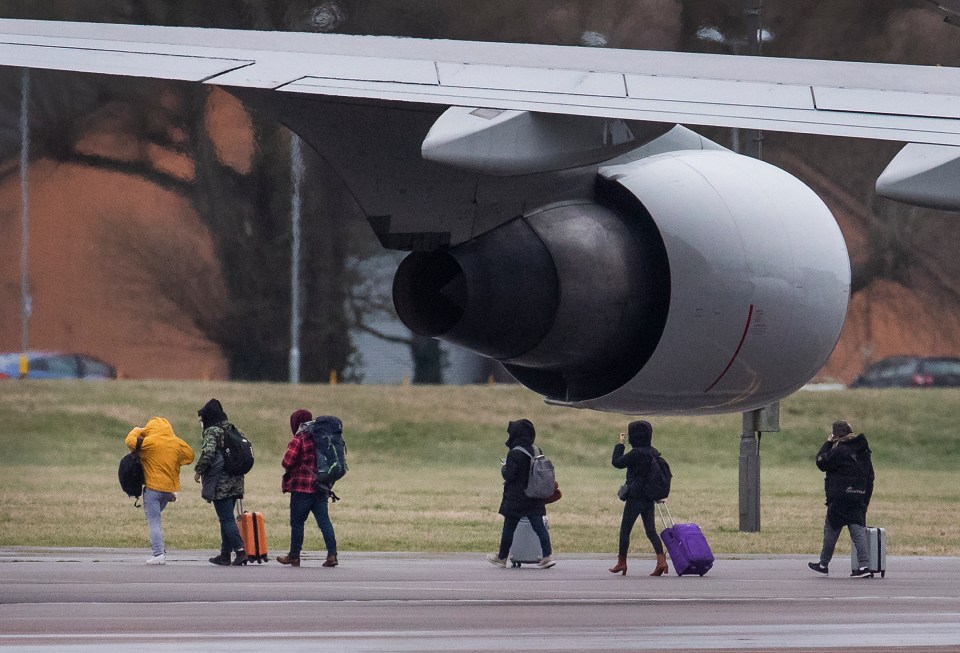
(542, 481)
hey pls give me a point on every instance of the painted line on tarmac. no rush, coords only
(724, 637)
(514, 601)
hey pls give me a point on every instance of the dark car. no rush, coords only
(911, 372)
(56, 365)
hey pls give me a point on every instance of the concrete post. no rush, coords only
(749, 476)
(755, 423)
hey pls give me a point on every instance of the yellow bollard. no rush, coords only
(333, 377)
(24, 366)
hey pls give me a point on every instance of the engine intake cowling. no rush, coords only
(693, 282)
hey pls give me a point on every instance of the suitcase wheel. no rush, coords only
(883, 573)
(515, 565)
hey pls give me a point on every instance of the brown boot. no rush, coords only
(661, 567)
(620, 567)
(287, 560)
(331, 561)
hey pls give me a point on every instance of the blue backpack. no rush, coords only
(327, 433)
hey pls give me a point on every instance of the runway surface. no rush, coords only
(77, 600)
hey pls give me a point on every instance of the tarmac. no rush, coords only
(73, 600)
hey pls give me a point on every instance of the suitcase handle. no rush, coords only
(663, 502)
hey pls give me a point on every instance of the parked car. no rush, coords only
(56, 365)
(910, 372)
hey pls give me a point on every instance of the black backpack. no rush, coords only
(657, 484)
(327, 433)
(237, 451)
(130, 473)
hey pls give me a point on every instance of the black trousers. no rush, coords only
(633, 508)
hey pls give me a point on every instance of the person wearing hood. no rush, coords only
(637, 462)
(162, 454)
(300, 465)
(848, 485)
(515, 503)
(219, 488)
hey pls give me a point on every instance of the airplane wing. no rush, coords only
(556, 219)
(918, 104)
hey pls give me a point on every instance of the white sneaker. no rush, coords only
(546, 563)
(157, 560)
(494, 559)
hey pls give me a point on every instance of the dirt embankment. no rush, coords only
(82, 299)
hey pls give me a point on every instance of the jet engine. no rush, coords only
(690, 282)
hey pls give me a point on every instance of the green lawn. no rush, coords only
(425, 466)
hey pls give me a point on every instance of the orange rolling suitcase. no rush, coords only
(254, 534)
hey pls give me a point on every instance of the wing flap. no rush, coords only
(117, 62)
(273, 70)
(896, 103)
(533, 80)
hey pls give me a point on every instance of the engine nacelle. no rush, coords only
(694, 282)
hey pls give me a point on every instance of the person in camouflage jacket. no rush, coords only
(221, 489)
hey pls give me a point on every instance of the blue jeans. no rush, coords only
(510, 526)
(301, 505)
(153, 504)
(230, 539)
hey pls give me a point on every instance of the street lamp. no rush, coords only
(752, 45)
(26, 303)
(296, 174)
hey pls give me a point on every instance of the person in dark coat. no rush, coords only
(848, 486)
(219, 488)
(515, 503)
(637, 462)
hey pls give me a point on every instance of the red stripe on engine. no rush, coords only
(737, 352)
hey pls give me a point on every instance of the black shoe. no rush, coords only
(862, 572)
(222, 559)
(818, 567)
(241, 559)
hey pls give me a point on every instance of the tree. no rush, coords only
(245, 310)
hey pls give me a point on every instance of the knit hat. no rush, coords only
(841, 428)
(298, 417)
(640, 433)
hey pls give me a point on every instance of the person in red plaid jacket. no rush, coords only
(300, 463)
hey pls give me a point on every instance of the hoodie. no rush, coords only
(637, 460)
(516, 472)
(162, 454)
(212, 414)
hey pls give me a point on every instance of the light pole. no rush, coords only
(767, 419)
(752, 45)
(296, 179)
(26, 303)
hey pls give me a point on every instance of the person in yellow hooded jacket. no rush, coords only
(162, 455)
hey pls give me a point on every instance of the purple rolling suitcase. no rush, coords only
(686, 545)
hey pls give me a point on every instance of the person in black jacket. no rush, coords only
(848, 485)
(516, 504)
(637, 462)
